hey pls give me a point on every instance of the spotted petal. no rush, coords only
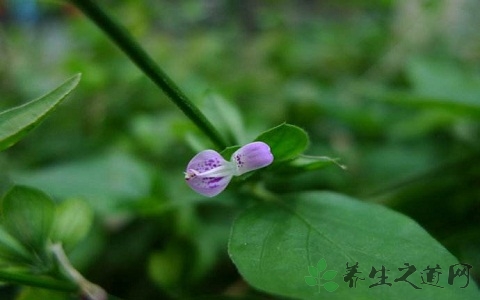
(252, 156)
(208, 173)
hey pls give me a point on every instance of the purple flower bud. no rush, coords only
(209, 174)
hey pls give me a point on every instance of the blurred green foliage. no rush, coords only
(390, 87)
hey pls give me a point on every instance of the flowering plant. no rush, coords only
(209, 174)
(253, 213)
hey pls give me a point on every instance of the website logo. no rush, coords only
(321, 277)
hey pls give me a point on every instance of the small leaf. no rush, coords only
(311, 281)
(313, 271)
(286, 141)
(322, 265)
(73, 220)
(18, 121)
(27, 215)
(106, 182)
(329, 275)
(330, 286)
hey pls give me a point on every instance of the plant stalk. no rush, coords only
(37, 281)
(89, 290)
(135, 52)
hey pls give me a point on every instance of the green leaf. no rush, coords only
(322, 265)
(106, 182)
(27, 215)
(18, 121)
(309, 163)
(226, 116)
(438, 86)
(272, 243)
(331, 286)
(73, 220)
(286, 141)
(313, 271)
(452, 106)
(11, 251)
(311, 281)
(445, 81)
(329, 275)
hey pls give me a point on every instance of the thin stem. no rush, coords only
(37, 281)
(136, 53)
(88, 289)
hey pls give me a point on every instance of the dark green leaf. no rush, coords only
(286, 141)
(11, 251)
(27, 215)
(272, 243)
(18, 121)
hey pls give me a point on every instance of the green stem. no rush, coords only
(88, 289)
(37, 281)
(42, 282)
(135, 52)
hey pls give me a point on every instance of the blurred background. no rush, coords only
(392, 88)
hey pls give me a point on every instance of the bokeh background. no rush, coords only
(392, 88)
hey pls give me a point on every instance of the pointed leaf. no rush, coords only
(18, 121)
(27, 215)
(286, 141)
(271, 244)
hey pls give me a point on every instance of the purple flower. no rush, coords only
(209, 174)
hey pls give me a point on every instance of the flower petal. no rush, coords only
(209, 186)
(205, 161)
(252, 156)
(208, 173)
